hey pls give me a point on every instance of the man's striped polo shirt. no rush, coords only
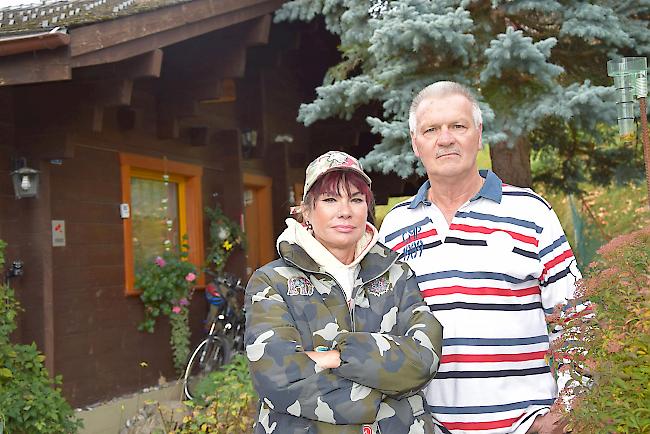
(489, 278)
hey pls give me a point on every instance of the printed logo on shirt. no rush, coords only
(299, 285)
(367, 429)
(379, 287)
(412, 245)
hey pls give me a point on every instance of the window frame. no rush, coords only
(189, 204)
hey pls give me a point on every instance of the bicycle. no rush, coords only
(226, 319)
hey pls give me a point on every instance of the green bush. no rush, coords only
(606, 347)
(226, 402)
(30, 401)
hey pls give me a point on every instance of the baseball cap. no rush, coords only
(329, 162)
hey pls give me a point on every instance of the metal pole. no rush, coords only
(645, 138)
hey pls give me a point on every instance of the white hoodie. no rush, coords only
(344, 274)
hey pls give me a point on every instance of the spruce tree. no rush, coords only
(528, 60)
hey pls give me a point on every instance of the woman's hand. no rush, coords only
(325, 359)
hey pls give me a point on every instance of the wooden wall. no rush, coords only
(76, 310)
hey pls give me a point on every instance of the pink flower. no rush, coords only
(183, 301)
(176, 309)
(190, 277)
(160, 261)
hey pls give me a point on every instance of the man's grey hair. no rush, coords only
(442, 89)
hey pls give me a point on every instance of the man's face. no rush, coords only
(445, 137)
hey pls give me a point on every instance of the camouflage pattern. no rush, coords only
(389, 341)
(328, 162)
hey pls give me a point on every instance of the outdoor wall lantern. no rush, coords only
(631, 80)
(25, 179)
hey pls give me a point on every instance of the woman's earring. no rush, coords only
(309, 226)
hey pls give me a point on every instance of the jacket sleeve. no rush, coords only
(285, 377)
(400, 364)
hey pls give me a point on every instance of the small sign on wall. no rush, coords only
(58, 233)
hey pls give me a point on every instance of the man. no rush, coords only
(491, 260)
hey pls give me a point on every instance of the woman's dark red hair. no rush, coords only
(335, 183)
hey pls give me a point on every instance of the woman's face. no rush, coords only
(339, 219)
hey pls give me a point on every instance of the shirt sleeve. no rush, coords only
(397, 364)
(285, 377)
(559, 268)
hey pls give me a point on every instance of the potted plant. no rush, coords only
(166, 282)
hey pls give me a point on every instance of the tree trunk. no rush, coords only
(512, 165)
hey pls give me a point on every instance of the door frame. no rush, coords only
(262, 186)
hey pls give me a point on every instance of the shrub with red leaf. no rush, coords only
(605, 345)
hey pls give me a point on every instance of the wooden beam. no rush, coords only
(259, 31)
(116, 40)
(35, 67)
(222, 60)
(147, 65)
(109, 93)
(193, 90)
(217, 54)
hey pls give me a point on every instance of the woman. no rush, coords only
(337, 335)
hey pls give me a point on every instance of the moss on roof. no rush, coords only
(48, 14)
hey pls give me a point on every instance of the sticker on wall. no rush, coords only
(58, 233)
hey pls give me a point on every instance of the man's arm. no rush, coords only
(559, 270)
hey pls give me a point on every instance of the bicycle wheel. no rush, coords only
(209, 355)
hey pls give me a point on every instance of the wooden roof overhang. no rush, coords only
(129, 43)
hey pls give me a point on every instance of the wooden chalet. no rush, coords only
(108, 99)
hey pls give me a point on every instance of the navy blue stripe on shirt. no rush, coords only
(525, 193)
(415, 250)
(553, 246)
(493, 374)
(556, 277)
(479, 342)
(480, 409)
(412, 227)
(485, 306)
(525, 253)
(499, 219)
(465, 242)
(474, 275)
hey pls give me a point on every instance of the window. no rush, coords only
(165, 202)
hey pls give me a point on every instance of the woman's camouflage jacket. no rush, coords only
(390, 346)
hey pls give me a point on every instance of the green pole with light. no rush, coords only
(631, 81)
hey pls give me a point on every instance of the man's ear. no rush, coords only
(413, 145)
(480, 136)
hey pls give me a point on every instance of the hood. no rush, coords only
(295, 242)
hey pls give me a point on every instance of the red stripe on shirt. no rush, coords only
(481, 290)
(478, 426)
(419, 236)
(492, 358)
(553, 262)
(483, 230)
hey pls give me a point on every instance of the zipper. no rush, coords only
(331, 277)
(354, 289)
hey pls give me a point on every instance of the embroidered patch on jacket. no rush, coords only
(379, 286)
(299, 285)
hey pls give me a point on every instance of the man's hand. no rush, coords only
(550, 423)
(325, 359)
